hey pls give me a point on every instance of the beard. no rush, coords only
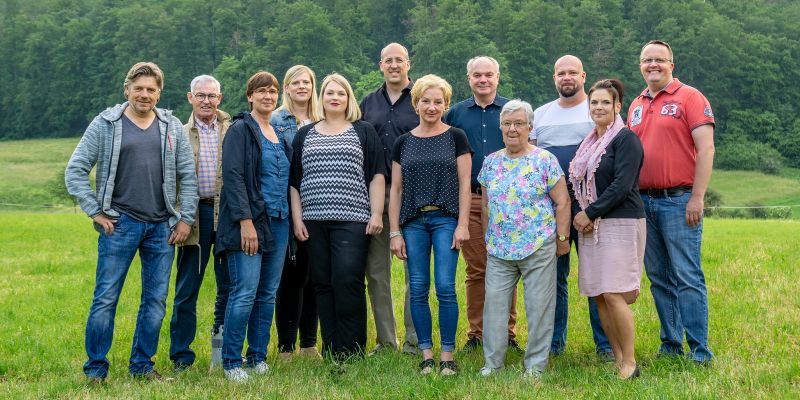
(568, 92)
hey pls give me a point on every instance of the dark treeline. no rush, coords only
(63, 61)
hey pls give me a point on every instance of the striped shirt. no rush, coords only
(207, 158)
(332, 187)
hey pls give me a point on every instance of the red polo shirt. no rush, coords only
(664, 124)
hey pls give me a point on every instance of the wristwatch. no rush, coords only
(562, 238)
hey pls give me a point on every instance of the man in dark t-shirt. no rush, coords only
(143, 159)
(390, 112)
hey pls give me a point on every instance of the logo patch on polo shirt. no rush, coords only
(707, 112)
(636, 117)
(671, 109)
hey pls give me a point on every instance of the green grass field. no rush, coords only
(31, 177)
(48, 262)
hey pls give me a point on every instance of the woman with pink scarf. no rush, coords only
(611, 226)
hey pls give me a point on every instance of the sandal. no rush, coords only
(427, 366)
(448, 368)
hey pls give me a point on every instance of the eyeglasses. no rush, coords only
(516, 124)
(395, 60)
(204, 96)
(654, 60)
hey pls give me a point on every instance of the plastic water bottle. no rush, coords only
(216, 347)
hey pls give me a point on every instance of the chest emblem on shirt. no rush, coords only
(671, 109)
(636, 117)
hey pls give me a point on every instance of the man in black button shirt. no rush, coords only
(389, 110)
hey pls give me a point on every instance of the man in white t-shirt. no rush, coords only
(559, 126)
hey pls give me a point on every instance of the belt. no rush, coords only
(477, 189)
(208, 202)
(668, 192)
(429, 208)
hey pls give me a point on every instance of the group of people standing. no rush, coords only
(305, 204)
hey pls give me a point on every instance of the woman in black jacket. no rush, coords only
(337, 195)
(253, 228)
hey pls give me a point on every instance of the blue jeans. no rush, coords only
(672, 263)
(432, 229)
(192, 261)
(114, 256)
(254, 282)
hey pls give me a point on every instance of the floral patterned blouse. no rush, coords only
(521, 213)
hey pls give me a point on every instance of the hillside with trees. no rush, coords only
(64, 60)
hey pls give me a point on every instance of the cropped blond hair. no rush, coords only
(431, 81)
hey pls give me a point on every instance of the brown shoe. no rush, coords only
(310, 352)
(153, 376)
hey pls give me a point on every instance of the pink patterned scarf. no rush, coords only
(585, 163)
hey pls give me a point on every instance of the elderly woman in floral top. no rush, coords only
(527, 209)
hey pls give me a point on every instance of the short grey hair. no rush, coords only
(518, 104)
(476, 58)
(203, 79)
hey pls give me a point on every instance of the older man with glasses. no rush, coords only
(205, 129)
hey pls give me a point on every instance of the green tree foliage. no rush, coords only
(64, 60)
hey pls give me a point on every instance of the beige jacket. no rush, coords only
(194, 138)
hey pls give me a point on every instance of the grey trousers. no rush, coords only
(379, 288)
(538, 273)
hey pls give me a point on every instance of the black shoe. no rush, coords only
(179, 367)
(472, 344)
(512, 344)
(427, 366)
(95, 380)
(606, 356)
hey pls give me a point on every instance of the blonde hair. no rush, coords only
(431, 81)
(144, 69)
(353, 111)
(286, 102)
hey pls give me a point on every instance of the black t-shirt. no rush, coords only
(389, 120)
(430, 173)
(617, 179)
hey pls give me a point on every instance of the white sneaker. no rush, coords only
(260, 368)
(533, 374)
(236, 375)
(486, 371)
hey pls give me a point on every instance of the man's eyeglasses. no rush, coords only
(516, 124)
(395, 60)
(655, 60)
(204, 96)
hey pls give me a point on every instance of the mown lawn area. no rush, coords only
(48, 262)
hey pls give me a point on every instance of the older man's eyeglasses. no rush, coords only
(646, 61)
(204, 96)
(515, 124)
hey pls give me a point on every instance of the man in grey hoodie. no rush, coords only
(144, 169)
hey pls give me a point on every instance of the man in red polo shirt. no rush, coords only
(676, 126)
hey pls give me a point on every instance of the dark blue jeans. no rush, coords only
(254, 282)
(114, 256)
(677, 282)
(192, 261)
(562, 302)
(432, 230)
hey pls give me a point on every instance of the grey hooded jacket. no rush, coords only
(99, 147)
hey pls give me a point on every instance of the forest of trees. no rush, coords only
(63, 61)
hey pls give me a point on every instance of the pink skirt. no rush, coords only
(613, 262)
